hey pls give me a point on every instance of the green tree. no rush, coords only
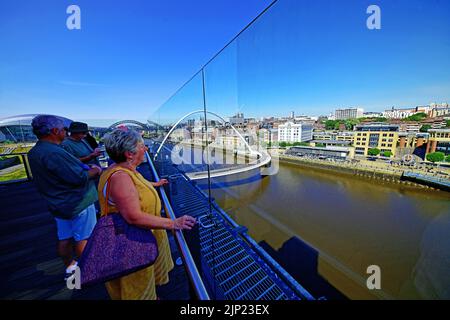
(425, 128)
(447, 158)
(350, 123)
(320, 145)
(436, 157)
(304, 144)
(283, 144)
(330, 124)
(387, 154)
(416, 117)
(373, 152)
(447, 123)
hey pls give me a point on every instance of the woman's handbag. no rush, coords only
(115, 249)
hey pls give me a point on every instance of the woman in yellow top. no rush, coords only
(139, 204)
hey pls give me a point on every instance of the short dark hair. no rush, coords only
(43, 124)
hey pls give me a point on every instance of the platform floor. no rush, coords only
(29, 265)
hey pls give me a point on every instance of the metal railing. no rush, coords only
(191, 268)
(24, 157)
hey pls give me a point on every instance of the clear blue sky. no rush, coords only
(306, 56)
(126, 60)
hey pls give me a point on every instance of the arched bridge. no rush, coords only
(146, 126)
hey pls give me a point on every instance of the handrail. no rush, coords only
(191, 268)
(26, 165)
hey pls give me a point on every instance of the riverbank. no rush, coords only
(389, 175)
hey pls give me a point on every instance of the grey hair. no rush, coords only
(120, 141)
(43, 124)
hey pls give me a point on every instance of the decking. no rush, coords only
(29, 265)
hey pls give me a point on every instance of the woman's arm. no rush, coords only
(124, 194)
(160, 183)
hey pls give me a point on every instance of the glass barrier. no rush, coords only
(180, 134)
(251, 129)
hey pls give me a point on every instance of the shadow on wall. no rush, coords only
(303, 266)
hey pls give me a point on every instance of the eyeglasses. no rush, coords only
(142, 146)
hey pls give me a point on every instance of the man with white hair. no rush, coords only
(66, 184)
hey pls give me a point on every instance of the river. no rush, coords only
(327, 229)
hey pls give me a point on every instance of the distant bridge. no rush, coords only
(145, 126)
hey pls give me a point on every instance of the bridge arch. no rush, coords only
(145, 126)
(253, 152)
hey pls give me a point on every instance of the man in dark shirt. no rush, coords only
(66, 184)
(76, 145)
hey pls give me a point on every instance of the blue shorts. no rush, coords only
(80, 227)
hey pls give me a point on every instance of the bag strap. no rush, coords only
(108, 185)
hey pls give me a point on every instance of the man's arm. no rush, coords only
(69, 169)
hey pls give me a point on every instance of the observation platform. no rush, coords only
(231, 265)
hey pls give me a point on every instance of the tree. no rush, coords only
(425, 128)
(373, 152)
(350, 123)
(416, 117)
(447, 123)
(304, 144)
(387, 154)
(447, 158)
(330, 124)
(283, 144)
(320, 145)
(436, 157)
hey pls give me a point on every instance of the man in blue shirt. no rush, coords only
(76, 145)
(66, 184)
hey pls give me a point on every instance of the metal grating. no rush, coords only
(229, 264)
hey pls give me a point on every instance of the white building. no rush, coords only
(295, 132)
(350, 113)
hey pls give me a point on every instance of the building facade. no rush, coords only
(295, 132)
(380, 136)
(334, 135)
(350, 113)
(438, 141)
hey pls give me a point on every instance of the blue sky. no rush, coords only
(306, 56)
(126, 60)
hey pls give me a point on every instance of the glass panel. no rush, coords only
(179, 130)
(12, 168)
(299, 61)
(318, 207)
